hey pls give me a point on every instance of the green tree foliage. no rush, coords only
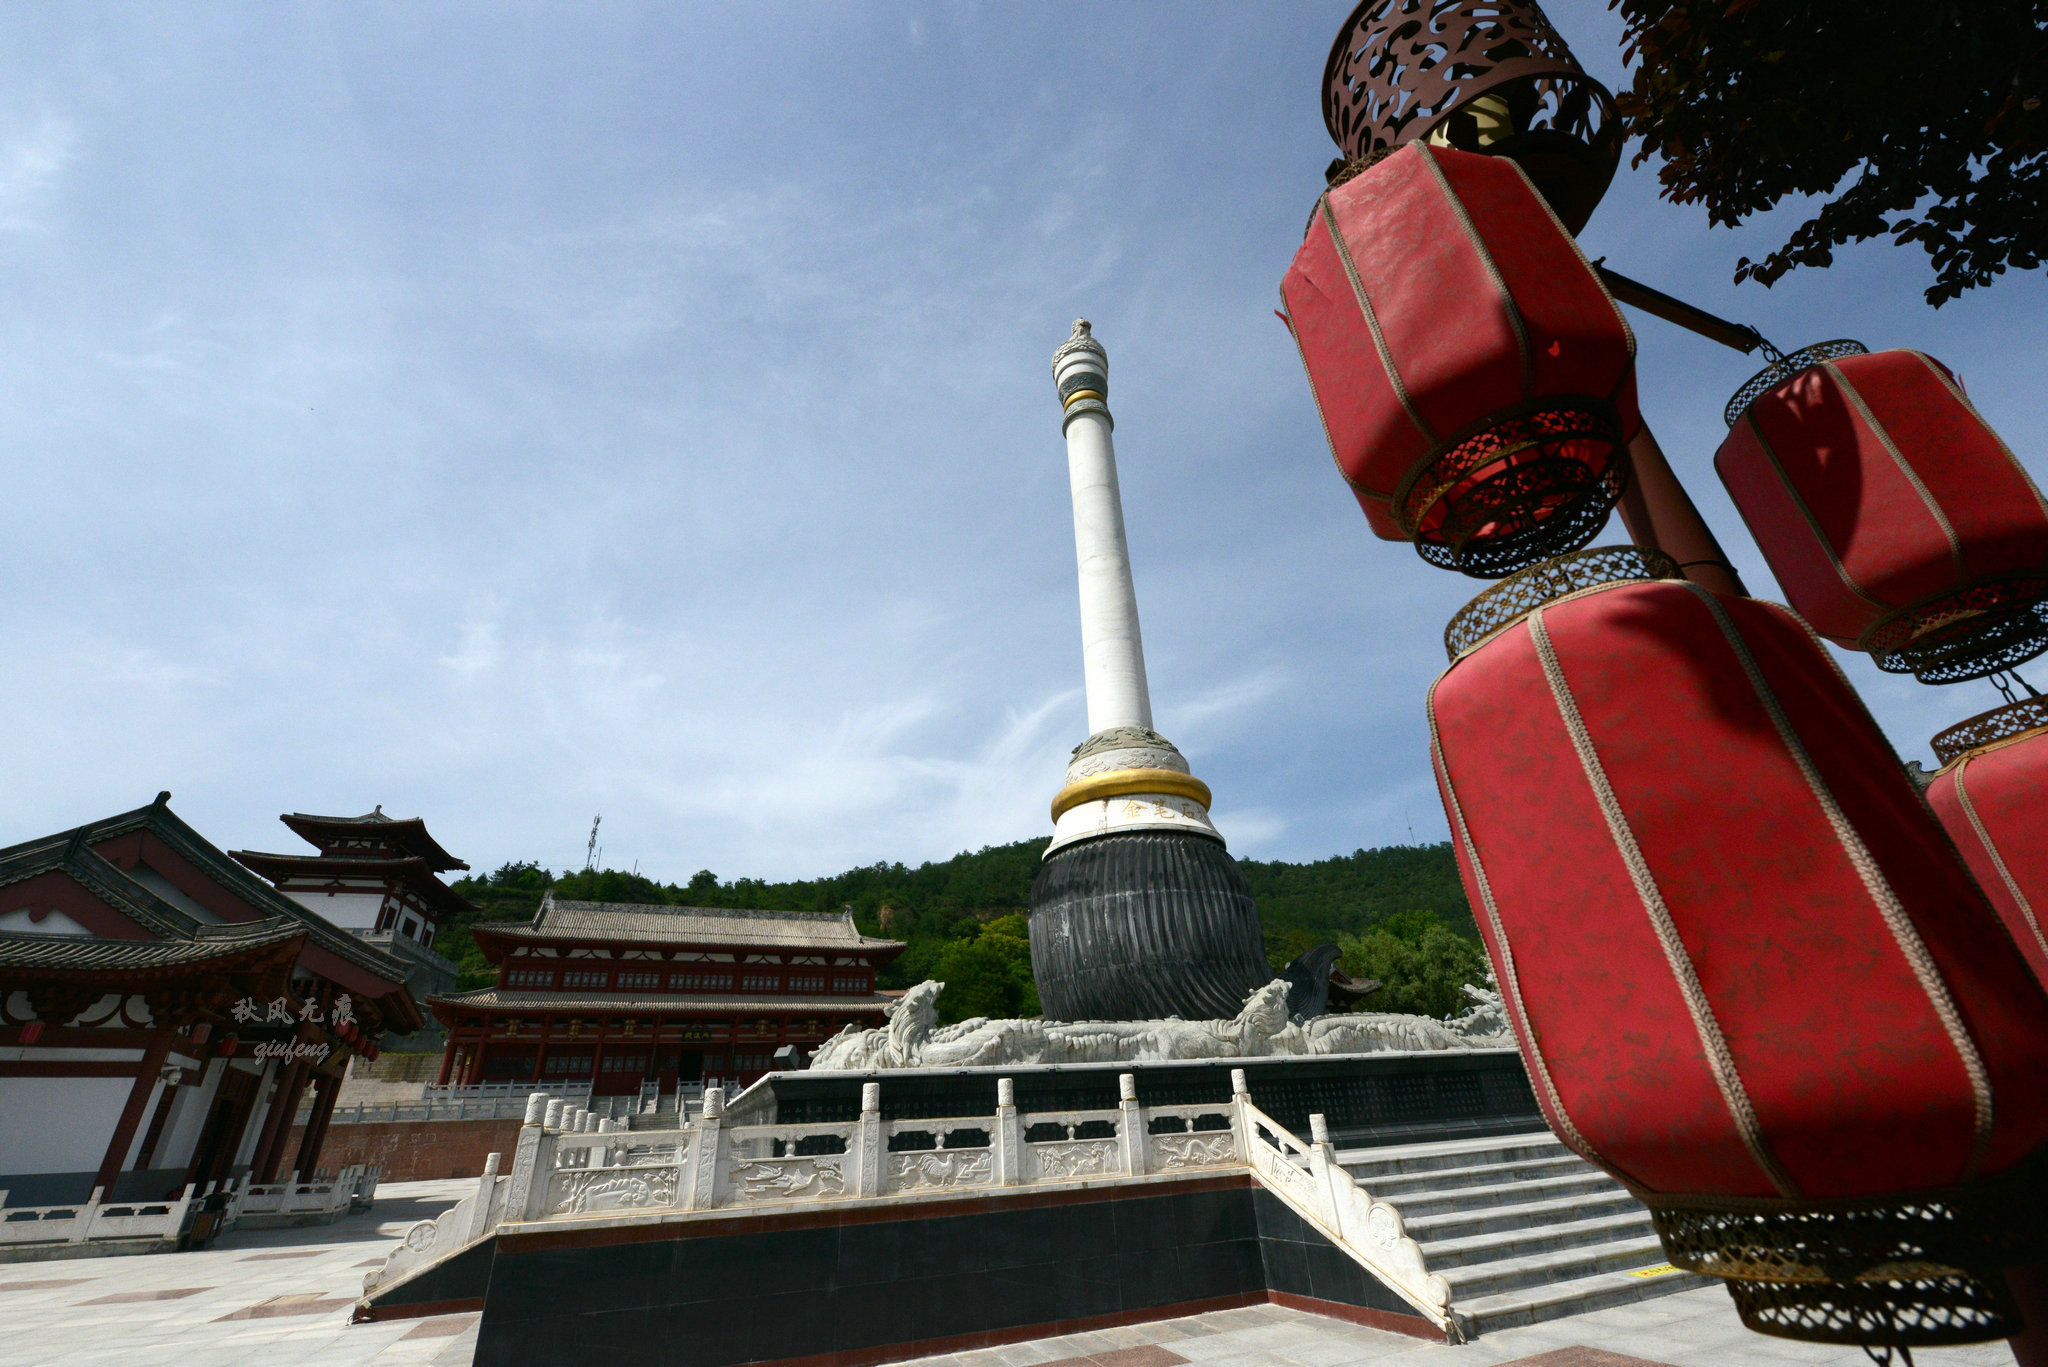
(1420, 961)
(1927, 121)
(989, 975)
(962, 919)
(1304, 905)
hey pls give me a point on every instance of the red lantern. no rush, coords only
(1475, 381)
(1988, 792)
(1895, 518)
(1749, 975)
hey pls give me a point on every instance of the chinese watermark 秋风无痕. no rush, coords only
(279, 1011)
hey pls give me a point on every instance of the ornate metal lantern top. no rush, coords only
(1479, 75)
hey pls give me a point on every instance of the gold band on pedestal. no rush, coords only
(1120, 782)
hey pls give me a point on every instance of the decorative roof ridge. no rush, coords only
(670, 909)
(166, 825)
(67, 852)
(395, 828)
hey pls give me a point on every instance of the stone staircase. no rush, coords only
(662, 1117)
(1522, 1228)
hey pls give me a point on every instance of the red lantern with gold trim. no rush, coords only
(1988, 794)
(1749, 975)
(1893, 515)
(1475, 380)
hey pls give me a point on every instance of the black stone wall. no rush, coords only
(1301, 1262)
(854, 1289)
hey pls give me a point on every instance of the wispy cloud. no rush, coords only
(33, 154)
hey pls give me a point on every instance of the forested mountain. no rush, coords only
(1399, 913)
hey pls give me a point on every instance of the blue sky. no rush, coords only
(507, 414)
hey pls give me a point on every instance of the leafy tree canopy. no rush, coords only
(1421, 961)
(963, 920)
(1922, 120)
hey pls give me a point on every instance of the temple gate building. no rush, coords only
(163, 1012)
(622, 995)
(376, 877)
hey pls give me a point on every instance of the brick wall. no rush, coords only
(419, 1150)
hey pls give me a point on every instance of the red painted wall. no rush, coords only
(419, 1150)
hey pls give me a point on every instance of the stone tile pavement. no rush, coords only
(260, 1298)
(1691, 1329)
(281, 1298)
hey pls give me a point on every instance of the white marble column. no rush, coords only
(1125, 776)
(1112, 652)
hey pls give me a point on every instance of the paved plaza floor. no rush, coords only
(264, 1298)
(281, 1298)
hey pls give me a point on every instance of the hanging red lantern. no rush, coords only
(1894, 517)
(1988, 791)
(1475, 380)
(1748, 973)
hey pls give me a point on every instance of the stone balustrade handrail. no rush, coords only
(570, 1165)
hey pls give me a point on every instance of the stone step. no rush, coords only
(1386, 1160)
(1398, 1185)
(1440, 1255)
(1557, 1299)
(1515, 1213)
(1590, 1184)
(1482, 1280)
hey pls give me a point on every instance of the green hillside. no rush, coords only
(1399, 913)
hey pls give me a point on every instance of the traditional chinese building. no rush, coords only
(624, 994)
(376, 877)
(163, 1011)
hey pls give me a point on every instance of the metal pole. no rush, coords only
(1659, 514)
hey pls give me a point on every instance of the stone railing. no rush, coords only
(571, 1093)
(570, 1165)
(457, 1227)
(318, 1197)
(94, 1220)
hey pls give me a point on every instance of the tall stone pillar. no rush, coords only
(1138, 911)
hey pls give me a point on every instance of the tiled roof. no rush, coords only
(408, 833)
(85, 952)
(707, 926)
(498, 999)
(71, 851)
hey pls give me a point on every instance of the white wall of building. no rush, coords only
(166, 889)
(58, 1124)
(353, 910)
(54, 922)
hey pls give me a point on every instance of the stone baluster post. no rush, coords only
(1132, 1126)
(1240, 1115)
(868, 1144)
(486, 1188)
(1322, 1165)
(81, 1223)
(1009, 1135)
(707, 1154)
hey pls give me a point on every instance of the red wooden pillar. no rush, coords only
(326, 1088)
(448, 1058)
(131, 1114)
(597, 1056)
(277, 1126)
(259, 1157)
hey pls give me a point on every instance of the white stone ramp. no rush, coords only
(1522, 1228)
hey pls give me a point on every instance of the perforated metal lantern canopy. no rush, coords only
(1748, 972)
(1989, 794)
(1474, 379)
(1894, 517)
(1494, 78)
